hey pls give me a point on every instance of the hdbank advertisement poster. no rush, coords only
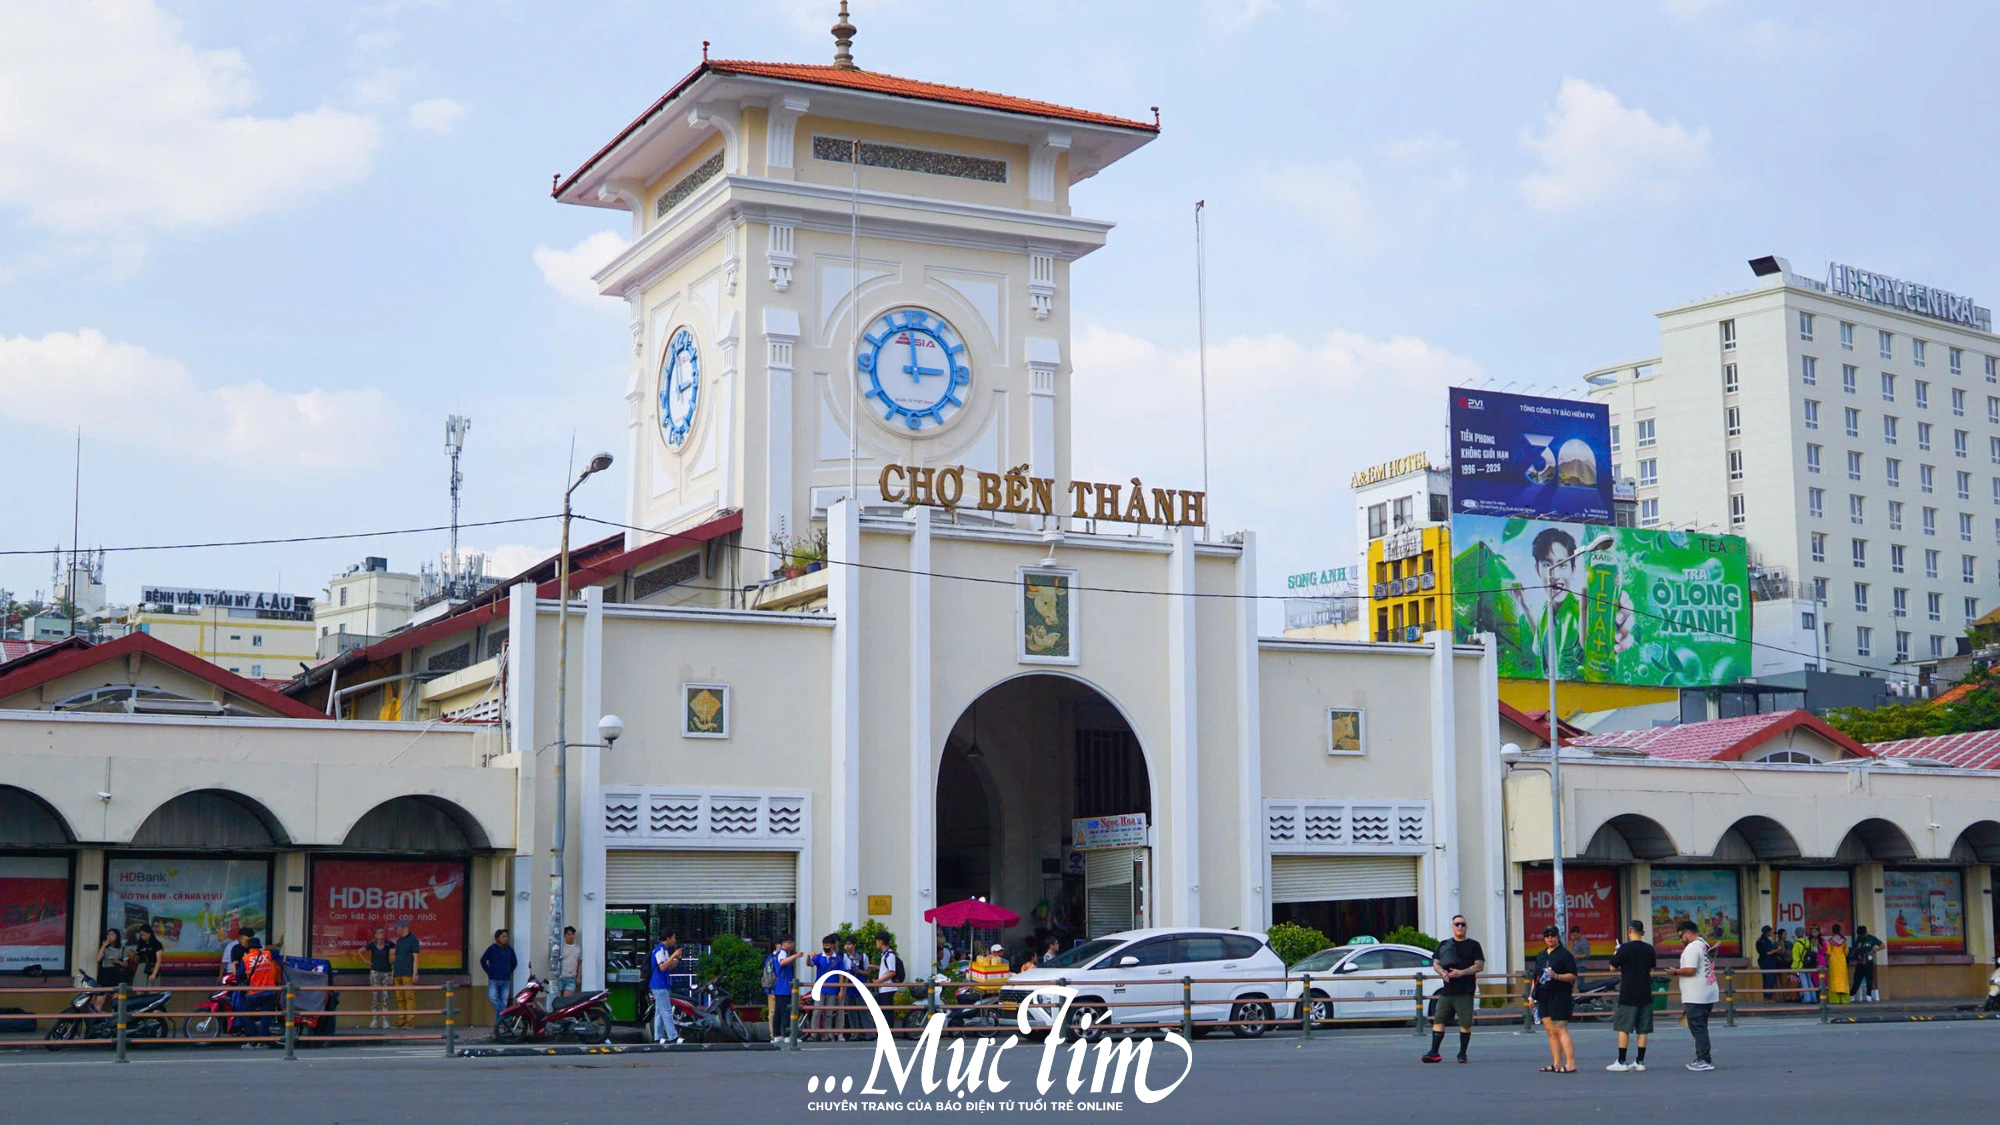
(194, 905)
(1814, 898)
(1631, 605)
(1705, 896)
(1926, 911)
(1516, 455)
(350, 897)
(34, 913)
(1593, 905)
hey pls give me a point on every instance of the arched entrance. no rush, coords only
(1023, 762)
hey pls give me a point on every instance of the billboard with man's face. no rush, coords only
(1616, 605)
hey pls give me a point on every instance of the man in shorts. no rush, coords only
(1699, 992)
(1634, 960)
(1459, 962)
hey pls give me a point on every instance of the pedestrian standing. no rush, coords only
(570, 975)
(783, 967)
(379, 953)
(1579, 946)
(1633, 1018)
(1865, 947)
(1767, 960)
(499, 962)
(1699, 991)
(1459, 961)
(888, 971)
(1555, 993)
(404, 969)
(855, 1018)
(1837, 984)
(110, 964)
(826, 1016)
(1805, 959)
(666, 960)
(146, 949)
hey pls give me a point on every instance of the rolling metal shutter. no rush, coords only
(699, 877)
(1315, 878)
(1107, 894)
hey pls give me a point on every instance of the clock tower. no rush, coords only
(833, 269)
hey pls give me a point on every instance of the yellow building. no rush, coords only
(1410, 591)
(263, 636)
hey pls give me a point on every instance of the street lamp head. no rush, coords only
(599, 463)
(610, 728)
(1510, 753)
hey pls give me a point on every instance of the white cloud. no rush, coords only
(1332, 195)
(1592, 148)
(568, 271)
(130, 396)
(113, 122)
(1282, 438)
(437, 116)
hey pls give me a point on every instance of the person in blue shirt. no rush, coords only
(666, 961)
(498, 962)
(828, 959)
(784, 965)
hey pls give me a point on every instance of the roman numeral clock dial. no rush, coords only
(913, 368)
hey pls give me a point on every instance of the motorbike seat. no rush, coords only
(574, 998)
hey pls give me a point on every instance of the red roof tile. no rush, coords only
(11, 651)
(1720, 740)
(35, 673)
(1979, 750)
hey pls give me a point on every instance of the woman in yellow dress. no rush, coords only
(1836, 967)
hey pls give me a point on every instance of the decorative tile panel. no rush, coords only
(686, 185)
(1333, 827)
(665, 816)
(841, 150)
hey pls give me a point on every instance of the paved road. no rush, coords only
(1940, 1072)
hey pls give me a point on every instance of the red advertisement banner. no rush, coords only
(350, 897)
(34, 912)
(1593, 905)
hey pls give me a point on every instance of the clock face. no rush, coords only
(912, 368)
(680, 387)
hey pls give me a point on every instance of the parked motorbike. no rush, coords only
(144, 1017)
(584, 1016)
(709, 1016)
(971, 1008)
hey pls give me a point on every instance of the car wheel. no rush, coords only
(1201, 1030)
(1321, 1007)
(1099, 1019)
(1250, 1018)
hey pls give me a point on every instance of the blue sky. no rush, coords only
(259, 252)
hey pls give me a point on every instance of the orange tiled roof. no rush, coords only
(877, 83)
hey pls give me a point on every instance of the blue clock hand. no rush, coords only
(915, 369)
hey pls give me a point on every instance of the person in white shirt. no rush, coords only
(1699, 992)
(570, 976)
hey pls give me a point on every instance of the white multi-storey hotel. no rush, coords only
(1850, 428)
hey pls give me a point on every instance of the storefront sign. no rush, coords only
(1403, 545)
(1814, 898)
(295, 607)
(1705, 896)
(1640, 606)
(1387, 470)
(1895, 293)
(350, 897)
(1518, 455)
(34, 913)
(1126, 830)
(1593, 905)
(1016, 492)
(1926, 911)
(194, 905)
(1339, 577)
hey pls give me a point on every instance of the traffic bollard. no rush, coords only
(1306, 1007)
(1187, 1008)
(1729, 1001)
(124, 1032)
(1820, 979)
(291, 1022)
(451, 1019)
(1418, 1023)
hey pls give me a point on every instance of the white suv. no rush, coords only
(1135, 977)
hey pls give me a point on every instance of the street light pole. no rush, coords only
(1555, 769)
(597, 464)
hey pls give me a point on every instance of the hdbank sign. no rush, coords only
(1617, 605)
(1517, 455)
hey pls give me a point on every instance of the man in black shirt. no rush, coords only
(1459, 962)
(1634, 961)
(1555, 987)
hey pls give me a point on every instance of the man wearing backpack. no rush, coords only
(1805, 962)
(888, 974)
(780, 969)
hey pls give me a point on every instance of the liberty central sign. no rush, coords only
(1895, 293)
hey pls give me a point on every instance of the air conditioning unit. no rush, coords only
(1428, 581)
(1395, 587)
(1381, 590)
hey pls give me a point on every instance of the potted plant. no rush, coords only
(812, 551)
(782, 549)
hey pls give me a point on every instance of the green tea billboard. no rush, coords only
(1638, 606)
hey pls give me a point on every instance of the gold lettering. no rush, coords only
(1138, 505)
(951, 486)
(1107, 501)
(989, 492)
(1080, 490)
(1192, 505)
(1041, 502)
(1163, 506)
(883, 484)
(1017, 491)
(921, 483)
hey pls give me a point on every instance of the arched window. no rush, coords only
(1789, 758)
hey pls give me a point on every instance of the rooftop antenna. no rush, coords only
(455, 428)
(75, 523)
(843, 41)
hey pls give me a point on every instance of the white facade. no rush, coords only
(370, 600)
(1856, 446)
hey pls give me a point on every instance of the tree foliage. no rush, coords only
(1410, 935)
(1294, 943)
(1978, 709)
(739, 964)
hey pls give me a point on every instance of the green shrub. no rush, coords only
(865, 934)
(740, 965)
(1294, 943)
(1410, 935)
